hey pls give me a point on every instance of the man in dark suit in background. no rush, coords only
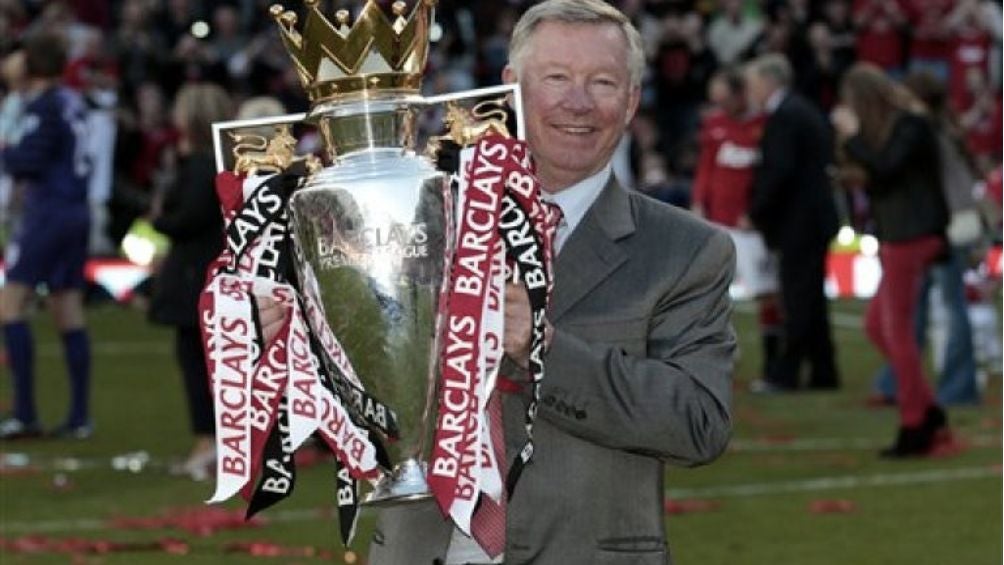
(793, 206)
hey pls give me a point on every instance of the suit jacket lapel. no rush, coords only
(591, 253)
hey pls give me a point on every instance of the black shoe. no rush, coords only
(919, 440)
(910, 442)
(935, 419)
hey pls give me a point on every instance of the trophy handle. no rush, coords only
(253, 153)
(509, 92)
(227, 136)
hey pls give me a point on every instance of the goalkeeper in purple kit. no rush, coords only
(50, 245)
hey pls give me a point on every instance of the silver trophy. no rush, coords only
(371, 227)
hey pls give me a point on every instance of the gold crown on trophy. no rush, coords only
(371, 56)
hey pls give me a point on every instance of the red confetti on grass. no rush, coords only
(35, 544)
(990, 423)
(832, 506)
(947, 444)
(260, 548)
(8, 471)
(199, 521)
(689, 506)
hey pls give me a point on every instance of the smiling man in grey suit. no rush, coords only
(639, 361)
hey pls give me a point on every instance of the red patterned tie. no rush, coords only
(488, 522)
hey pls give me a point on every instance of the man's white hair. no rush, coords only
(774, 67)
(594, 12)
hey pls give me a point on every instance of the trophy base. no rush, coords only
(405, 484)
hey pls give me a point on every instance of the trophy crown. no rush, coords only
(372, 56)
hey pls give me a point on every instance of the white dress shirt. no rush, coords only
(575, 201)
(775, 99)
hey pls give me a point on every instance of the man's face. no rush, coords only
(758, 90)
(577, 98)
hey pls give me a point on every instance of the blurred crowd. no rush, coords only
(130, 57)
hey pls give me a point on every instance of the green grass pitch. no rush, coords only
(790, 454)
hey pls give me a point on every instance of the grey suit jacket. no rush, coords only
(638, 374)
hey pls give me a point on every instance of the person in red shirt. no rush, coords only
(879, 23)
(969, 51)
(995, 186)
(729, 151)
(930, 44)
(982, 120)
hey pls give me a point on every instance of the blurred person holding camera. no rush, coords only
(885, 130)
(190, 216)
(50, 245)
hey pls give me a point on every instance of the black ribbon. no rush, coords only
(525, 247)
(362, 407)
(347, 499)
(278, 469)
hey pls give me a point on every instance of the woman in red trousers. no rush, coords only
(885, 131)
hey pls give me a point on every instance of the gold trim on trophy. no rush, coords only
(372, 56)
(255, 153)
(465, 127)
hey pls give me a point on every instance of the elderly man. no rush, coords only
(639, 362)
(793, 207)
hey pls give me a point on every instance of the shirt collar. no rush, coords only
(575, 200)
(775, 99)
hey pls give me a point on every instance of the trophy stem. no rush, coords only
(365, 127)
(405, 484)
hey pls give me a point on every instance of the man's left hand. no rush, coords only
(519, 325)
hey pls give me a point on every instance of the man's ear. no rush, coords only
(634, 98)
(509, 75)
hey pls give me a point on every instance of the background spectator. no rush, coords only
(793, 207)
(191, 217)
(954, 358)
(881, 127)
(879, 24)
(733, 31)
(50, 245)
(730, 151)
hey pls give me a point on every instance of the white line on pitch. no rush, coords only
(838, 444)
(92, 524)
(838, 483)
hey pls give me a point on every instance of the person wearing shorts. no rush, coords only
(50, 245)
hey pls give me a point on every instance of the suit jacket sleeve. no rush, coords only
(673, 403)
(777, 166)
